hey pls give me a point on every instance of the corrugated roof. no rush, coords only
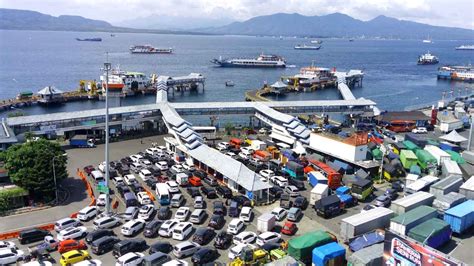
(469, 184)
(372, 214)
(461, 209)
(415, 197)
(267, 111)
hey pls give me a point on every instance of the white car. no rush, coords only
(72, 233)
(246, 214)
(162, 165)
(7, 245)
(129, 179)
(118, 180)
(143, 198)
(182, 214)
(106, 222)
(145, 174)
(235, 251)
(189, 167)
(279, 213)
(145, 163)
(176, 263)
(268, 237)
(292, 191)
(166, 229)
(235, 226)
(182, 231)
(266, 174)
(87, 213)
(153, 151)
(279, 181)
(65, 223)
(10, 256)
(246, 237)
(132, 227)
(231, 155)
(102, 167)
(129, 259)
(223, 145)
(247, 150)
(420, 130)
(136, 158)
(244, 155)
(146, 212)
(43, 263)
(93, 262)
(101, 200)
(173, 187)
(177, 168)
(161, 148)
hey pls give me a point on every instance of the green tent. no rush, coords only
(377, 154)
(410, 145)
(456, 157)
(432, 142)
(430, 232)
(301, 247)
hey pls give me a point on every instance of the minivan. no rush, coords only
(198, 216)
(130, 213)
(158, 258)
(129, 245)
(177, 200)
(224, 192)
(185, 249)
(32, 235)
(234, 209)
(182, 230)
(210, 180)
(130, 199)
(65, 223)
(135, 167)
(294, 214)
(104, 245)
(145, 174)
(98, 234)
(97, 176)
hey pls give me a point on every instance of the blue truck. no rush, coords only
(81, 141)
(344, 194)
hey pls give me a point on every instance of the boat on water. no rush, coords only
(460, 73)
(262, 61)
(428, 59)
(316, 41)
(229, 83)
(428, 40)
(89, 39)
(309, 76)
(307, 47)
(465, 47)
(148, 49)
(127, 83)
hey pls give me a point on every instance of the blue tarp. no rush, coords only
(342, 190)
(392, 156)
(415, 169)
(366, 240)
(323, 254)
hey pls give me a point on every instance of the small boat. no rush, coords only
(465, 47)
(148, 49)
(351, 40)
(307, 47)
(316, 41)
(112, 35)
(428, 40)
(428, 59)
(89, 39)
(229, 83)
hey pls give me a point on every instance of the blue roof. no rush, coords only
(462, 209)
(342, 190)
(326, 252)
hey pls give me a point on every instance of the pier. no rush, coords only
(346, 79)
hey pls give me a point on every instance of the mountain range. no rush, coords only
(173, 22)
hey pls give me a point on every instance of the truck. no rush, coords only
(251, 256)
(468, 156)
(448, 201)
(344, 194)
(450, 167)
(329, 254)
(437, 153)
(433, 232)
(258, 145)
(408, 158)
(451, 183)
(467, 189)
(295, 170)
(372, 255)
(316, 177)
(412, 201)
(358, 224)
(328, 206)
(406, 221)
(182, 179)
(266, 222)
(422, 184)
(318, 192)
(301, 247)
(81, 141)
(425, 159)
(461, 217)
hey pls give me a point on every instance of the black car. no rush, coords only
(209, 192)
(398, 186)
(219, 208)
(97, 234)
(242, 201)
(203, 235)
(123, 189)
(204, 256)
(164, 247)
(137, 187)
(32, 235)
(200, 174)
(154, 170)
(270, 246)
(126, 161)
(123, 170)
(151, 228)
(391, 193)
(193, 191)
(164, 213)
(223, 240)
(300, 202)
(104, 244)
(217, 221)
(275, 192)
(297, 183)
(151, 183)
(224, 192)
(129, 245)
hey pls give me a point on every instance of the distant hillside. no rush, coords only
(173, 22)
(338, 25)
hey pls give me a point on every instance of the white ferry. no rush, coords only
(148, 49)
(264, 61)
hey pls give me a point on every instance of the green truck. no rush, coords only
(408, 158)
(301, 247)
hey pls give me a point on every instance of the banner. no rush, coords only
(400, 251)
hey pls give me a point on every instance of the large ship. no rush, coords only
(148, 49)
(265, 61)
(465, 47)
(427, 59)
(310, 76)
(126, 83)
(461, 73)
(89, 39)
(307, 47)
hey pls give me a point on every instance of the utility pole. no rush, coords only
(471, 131)
(107, 67)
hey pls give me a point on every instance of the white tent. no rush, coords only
(454, 137)
(50, 90)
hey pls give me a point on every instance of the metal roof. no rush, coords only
(284, 118)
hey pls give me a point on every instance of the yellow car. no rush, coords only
(74, 256)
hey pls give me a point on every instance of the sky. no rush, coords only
(454, 13)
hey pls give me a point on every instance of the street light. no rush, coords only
(107, 68)
(54, 175)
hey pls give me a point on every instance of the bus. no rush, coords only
(333, 176)
(362, 189)
(207, 133)
(162, 193)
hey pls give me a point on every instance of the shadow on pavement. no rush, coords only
(76, 190)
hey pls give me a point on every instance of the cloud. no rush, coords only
(458, 13)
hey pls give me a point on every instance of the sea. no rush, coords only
(32, 60)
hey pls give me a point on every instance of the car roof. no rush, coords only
(184, 244)
(267, 234)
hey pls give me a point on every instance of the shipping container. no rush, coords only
(410, 179)
(329, 254)
(451, 183)
(318, 192)
(316, 177)
(433, 232)
(301, 247)
(467, 189)
(461, 217)
(468, 156)
(408, 158)
(334, 177)
(448, 201)
(377, 218)
(369, 256)
(425, 159)
(449, 146)
(410, 145)
(419, 140)
(412, 201)
(437, 153)
(404, 222)
(422, 184)
(450, 167)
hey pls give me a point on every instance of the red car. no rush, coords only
(195, 181)
(71, 244)
(289, 228)
(88, 169)
(162, 178)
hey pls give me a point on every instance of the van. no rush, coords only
(97, 176)
(104, 245)
(182, 230)
(210, 180)
(130, 199)
(185, 249)
(65, 223)
(130, 213)
(234, 209)
(158, 258)
(32, 235)
(129, 245)
(198, 216)
(177, 200)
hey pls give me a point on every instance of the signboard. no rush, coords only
(399, 250)
(88, 123)
(103, 189)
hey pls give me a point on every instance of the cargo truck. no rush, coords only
(422, 184)
(461, 217)
(468, 156)
(412, 201)
(266, 222)
(444, 186)
(437, 153)
(318, 192)
(81, 141)
(361, 223)
(328, 206)
(467, 189)
(450, 167)
(433, 232)
(406, 221)
(329, 254)
(448, 201)
(301, 247)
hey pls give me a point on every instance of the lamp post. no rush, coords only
(107, 68)
(54, 176)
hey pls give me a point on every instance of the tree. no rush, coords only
(30, 166)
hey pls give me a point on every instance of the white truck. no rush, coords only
(318, 192)
(182, 179)
(266, 222)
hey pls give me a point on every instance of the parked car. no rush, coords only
(246, 214)
(279, 181)
(151, 228)
(74, 256)
(146, 212)
(193, 192)
(383, 201)
(199, 203)
(198, 216)
(268, 237)
(177, 200)
(65, 223)
(98, 234)
(183, 230)
(217, 221)
(223, 240)
(219, 208)
(104, 244)
(235, 226)
(300, 202)
(275, 192)
(294, 214)
(129, 245)
(245, 237)
(130, 213)
(285, 201)
(166, 229)
(203, 235)
(132, 227)
(195, 181)
(289, 228)
(236, 251)
(172, 186)
(224, 192)
(299, 184)
(209, 192)
(210, 180)
(266, 174)
(162, 246)
(279, 213)
(72, 233)
(185, 249)
(87, 213)
(143, 198)
(129, 259)
(71, 244)
(420, 130)
(164, 213)
(182, 214)
(242, 200)
(204, 256)
(32, 235)
(292, 191)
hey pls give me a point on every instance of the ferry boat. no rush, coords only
(316, 41)
(307, 47)
(465, 47)
(125, 82)
(428, 59)
(89, 39)
(461, 73)
(264, 61)
(148, 49)
(310, 76)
